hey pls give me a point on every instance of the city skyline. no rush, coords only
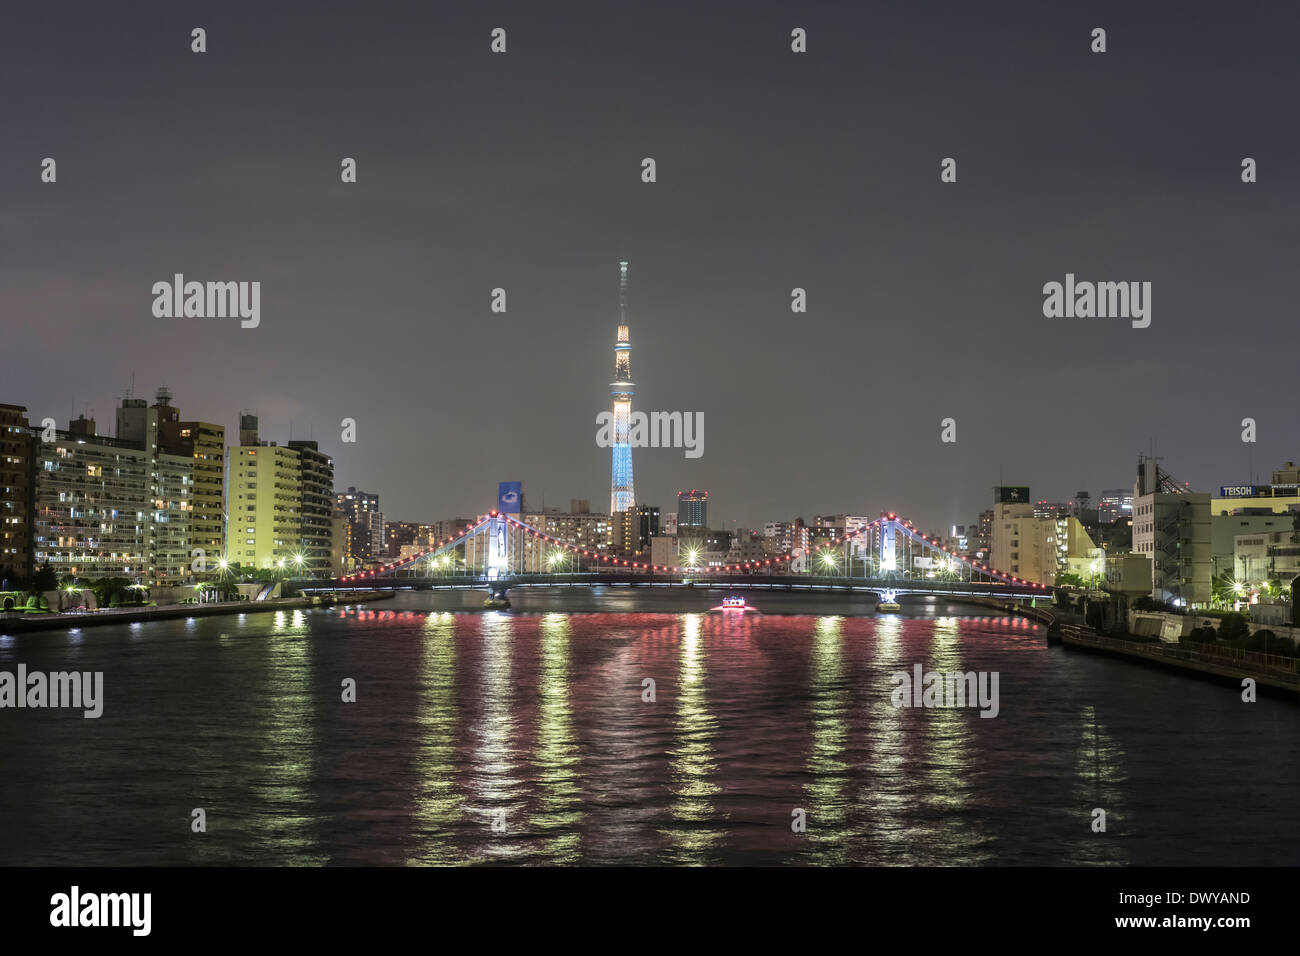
(948, 518)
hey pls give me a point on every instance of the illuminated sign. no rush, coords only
(1237, 491)
(1011, 494)
(510, 496)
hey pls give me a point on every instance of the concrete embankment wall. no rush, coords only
(16, 623)
(1277, 673)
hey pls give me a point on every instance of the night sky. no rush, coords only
(775, 170)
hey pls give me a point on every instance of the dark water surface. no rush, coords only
(534, 721)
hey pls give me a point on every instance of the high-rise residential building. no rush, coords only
(158, 429)
(633, 530)
(779, 532)
(1014, 542)
(171, 501)
(205, 444)
(750, 547)
(692, 509)
(132, 421)
(115, 507)
(403, 534)
(18, 451)
(339, 543)
(357, 505)
(264, 500)
(280, 504)
(374, 537)
(1039, 548)
(622, 495)
(984, 531)
(316, 509)
(1115, 503)
(586, 531)
(449, 528)
(1171, 526)
(92, 494)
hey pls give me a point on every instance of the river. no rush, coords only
(530, 736)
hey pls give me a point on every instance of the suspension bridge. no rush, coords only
(499, 552)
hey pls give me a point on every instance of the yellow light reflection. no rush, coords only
(439, 804)
(1101, 783)
(494, 780)
(560, 808)
(287, 741)
(830, 704)
(691, 763)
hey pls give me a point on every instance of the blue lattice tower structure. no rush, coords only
(622, 496)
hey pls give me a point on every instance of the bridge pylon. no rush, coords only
(888, 555)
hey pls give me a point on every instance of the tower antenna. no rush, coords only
(622, 292)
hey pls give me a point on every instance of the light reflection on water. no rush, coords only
(531, 738)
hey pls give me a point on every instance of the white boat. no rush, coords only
(733, 603)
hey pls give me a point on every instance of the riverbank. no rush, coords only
(1224, 664)
(16, 623)
(1216, 663)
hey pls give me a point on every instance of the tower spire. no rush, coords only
(622, 293)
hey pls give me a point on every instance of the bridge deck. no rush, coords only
(773, 582)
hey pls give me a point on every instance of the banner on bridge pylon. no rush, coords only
(510, 497)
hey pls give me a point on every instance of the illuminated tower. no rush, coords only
(621, 495)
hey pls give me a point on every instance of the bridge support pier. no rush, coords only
(497, 597)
